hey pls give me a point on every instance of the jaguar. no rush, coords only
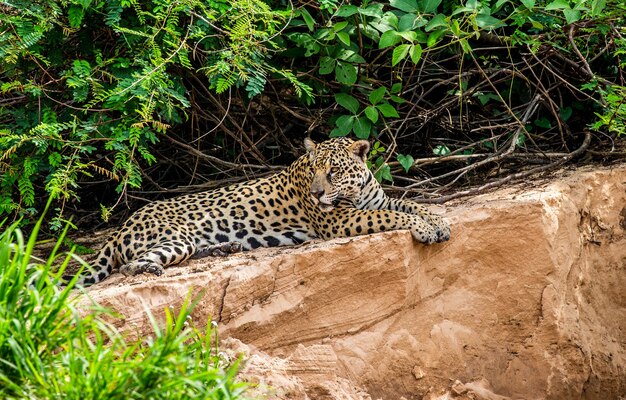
(329, 192)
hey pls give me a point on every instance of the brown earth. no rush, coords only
(526, 301)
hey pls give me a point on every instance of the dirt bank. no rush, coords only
(527, 300)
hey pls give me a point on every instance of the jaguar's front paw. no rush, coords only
(442, 228)
(424, 233)
(139, 267)
(443, 231)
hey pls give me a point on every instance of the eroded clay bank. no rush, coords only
(526, 301)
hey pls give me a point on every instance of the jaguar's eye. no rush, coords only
(333, 170)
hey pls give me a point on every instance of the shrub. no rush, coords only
(89, 86)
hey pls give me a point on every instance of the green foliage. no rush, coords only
(89, 87)
(49, 351)
(376, 162)
(406, 161)
(613, 117)
(362, 121)
(368, 48)
(441, 150)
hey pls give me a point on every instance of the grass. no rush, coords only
(49, 351)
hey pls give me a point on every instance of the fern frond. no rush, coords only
(7, 153)
(160, 126)
(133, 32)
(105, 172)
(225, 82)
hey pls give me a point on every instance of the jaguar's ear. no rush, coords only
(310, 145)
(360, 149)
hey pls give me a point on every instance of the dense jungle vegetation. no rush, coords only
(107, 104)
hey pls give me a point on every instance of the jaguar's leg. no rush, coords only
(158, 257)
(441, 226)
(376, 199)
(218, 250)
(355, 222)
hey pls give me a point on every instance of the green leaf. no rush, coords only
(535, 24)
(339, 26)
(406, 161)
(530, 4)
(336, 133)
(409, 36)
(372, 113)
(438, 21)
(346, 10)
(345, 73)
(404, 5)
(462, 10)
(441, 150)
(348, 102)
(75, 15)
(455, 28)
(521, 139)
(308, 19)
(396, 88)
(558, 5)
(408, 22)
(399, 53)
(571, 16)
(383, 171)
(55, 159)
(350, 56)
(344, 38)
(387, 22)
(362, 127)
(499, 4)
(389, 38)
(415, 52)
(487, 21)
(543, 123)
(327, 65)
(373, 10)
(597, 6)
(465, 46)
(377, 148)
(565, 113)
(377, 95)
(325, 34)
(387, 110)
(484, 98)
(434, 37)
(344, 124)
(429, 6)
(81, 68)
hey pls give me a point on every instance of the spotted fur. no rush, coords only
(327, 193)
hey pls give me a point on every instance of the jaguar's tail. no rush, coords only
(98, 269)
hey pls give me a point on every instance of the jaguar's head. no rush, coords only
(338, 170)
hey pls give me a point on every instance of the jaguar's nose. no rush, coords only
(317, 193)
